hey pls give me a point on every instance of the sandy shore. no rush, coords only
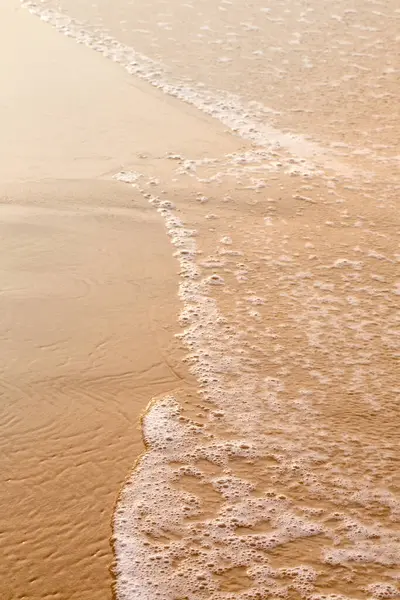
(88, 303)
(81, 354)
(271, 470)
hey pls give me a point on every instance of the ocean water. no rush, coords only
(278, 476)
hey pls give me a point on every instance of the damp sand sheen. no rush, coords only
(199, 226)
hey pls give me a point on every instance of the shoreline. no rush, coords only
(73, 426)
(268, 425)
(87, 331)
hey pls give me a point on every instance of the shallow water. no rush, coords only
(279, 477)
(329, 70)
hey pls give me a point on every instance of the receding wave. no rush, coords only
(247, 120)
(278, 482)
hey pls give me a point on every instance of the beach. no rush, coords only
(88, 302)
(199, 301)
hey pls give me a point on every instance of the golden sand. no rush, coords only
(278, 479)
(88, 300)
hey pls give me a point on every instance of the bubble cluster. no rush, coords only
(271, 483)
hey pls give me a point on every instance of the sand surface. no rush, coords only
(271, 464)
(88, 300)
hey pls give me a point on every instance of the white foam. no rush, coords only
(245, 119)
(165, 546)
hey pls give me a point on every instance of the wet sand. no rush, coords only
(88, 301)
(87, 295)
(271, 463)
